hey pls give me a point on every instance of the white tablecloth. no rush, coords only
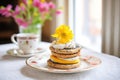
(14, 68)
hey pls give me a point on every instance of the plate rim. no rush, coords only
(60, 70)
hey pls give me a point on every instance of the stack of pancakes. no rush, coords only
(66, 58)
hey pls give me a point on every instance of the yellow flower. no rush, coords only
(63, 34)
(42, 1)
(35, 14)
(30, 2)
(21, 4)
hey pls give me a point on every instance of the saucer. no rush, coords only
(20, 53)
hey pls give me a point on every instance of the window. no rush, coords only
(85, 18)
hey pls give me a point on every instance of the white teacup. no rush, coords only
(26, 42)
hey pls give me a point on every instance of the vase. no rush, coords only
(33, 29)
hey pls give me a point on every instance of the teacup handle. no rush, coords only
(13, 39)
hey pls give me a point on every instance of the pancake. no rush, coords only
(65, 55)
(65, 51)
(62, 66)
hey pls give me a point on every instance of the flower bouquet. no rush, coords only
(30, 14)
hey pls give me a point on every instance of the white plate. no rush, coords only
(19, 53)
(40, 62)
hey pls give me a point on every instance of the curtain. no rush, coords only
(111, 27)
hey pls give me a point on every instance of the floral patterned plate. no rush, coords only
(40, 62)
(18, 53)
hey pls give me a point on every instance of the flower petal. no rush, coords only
(55, 35)
(63, 34)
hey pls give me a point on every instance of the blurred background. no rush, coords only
(92, 21)
(87, 22)
(7, 25)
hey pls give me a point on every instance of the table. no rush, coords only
(14, 68)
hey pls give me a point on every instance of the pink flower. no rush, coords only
(9, 7)
(21, 22)
(16, 11)
(6, 11)
(36, 3)
(51, 5)
(44, 7)
(25, 2)
(58, 12)
(22, 8)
